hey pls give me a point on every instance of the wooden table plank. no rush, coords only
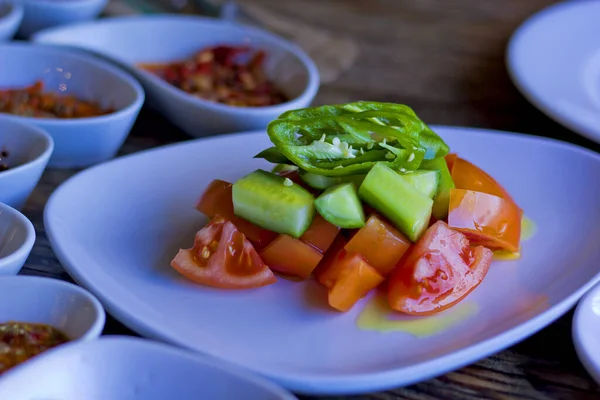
(445, 59)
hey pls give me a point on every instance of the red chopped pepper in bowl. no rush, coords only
(217, 74)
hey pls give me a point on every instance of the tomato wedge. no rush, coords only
(217, 200)
(222, 257)
(450, 158)
(320, 234)
(324, 274)
(437, 272)
(380, 244)
(291, 257)
(487, 220)
(470, 177)
(355, 279)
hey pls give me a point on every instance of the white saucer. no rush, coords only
(586, 332)
(554, 60)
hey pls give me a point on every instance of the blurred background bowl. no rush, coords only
(78, 142)
(17, 237)
(11, 15)
(26, 149)
(43, 14)
(62, 305)
(163, 38)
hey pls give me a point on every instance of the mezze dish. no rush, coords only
(363, 196)
(217, 74)
(34, 101)
(20, 341)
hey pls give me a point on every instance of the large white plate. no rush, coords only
(115, 228)
(554, 60)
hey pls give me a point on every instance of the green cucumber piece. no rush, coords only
(407, 208)
(425, 182)
(441, 201)
(283, 168)
(321, 182)
(273, 202)
(341, 206)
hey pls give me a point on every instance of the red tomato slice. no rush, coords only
(486, 219)
(450, 158)
(380, 244)
(355, 279)
(222, 257)
(217, 200)
(469, 177)
(324, 274)
(320, 234)
(437, 272)
(291, 257)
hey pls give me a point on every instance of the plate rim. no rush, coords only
(345, 384)
(589, 131)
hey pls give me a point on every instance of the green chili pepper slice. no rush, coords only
(350, 138)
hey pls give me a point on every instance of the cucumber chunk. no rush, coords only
(441, 201)
(321, 182)
(341, 206)
(425, 182)
(407, 208)
(273, 202)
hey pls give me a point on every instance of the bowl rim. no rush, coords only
(30, 281)
(25, 247)
(14, 14)
(86, 58)
(65, 4)
(32, 130)
(308, 92)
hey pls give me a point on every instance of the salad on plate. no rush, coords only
(363, 196)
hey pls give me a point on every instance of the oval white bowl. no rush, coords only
(78, 142)
(120, 368)
(163, 38)
(29, 149)
(17, 236)
(63, 305)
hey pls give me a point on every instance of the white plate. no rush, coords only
(554, 60)
(119, 368)
(115, 228)
(586, 332)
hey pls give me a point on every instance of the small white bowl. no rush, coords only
(64, 306)
(586, 332)
(29, 148)
(163, 38)
(121, 368)
(11, 16)
(17, 237)
(78, 142)
(42, 14)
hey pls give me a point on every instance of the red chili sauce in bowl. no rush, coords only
(20, 341)
(215, 74)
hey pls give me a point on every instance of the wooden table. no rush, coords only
(446, 60)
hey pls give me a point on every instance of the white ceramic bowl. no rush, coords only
(83, 141)
(29, 149)
(42, 14)
(11, 16)
(586, 332)
(120, 368)
(163, 38)
(17, 237)
(63, 305)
